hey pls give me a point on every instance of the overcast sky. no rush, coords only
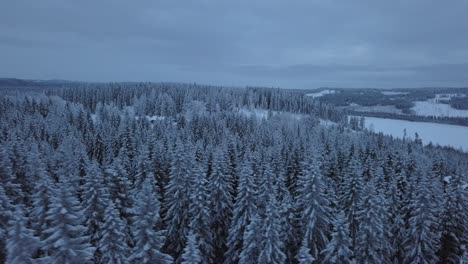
(290, 44)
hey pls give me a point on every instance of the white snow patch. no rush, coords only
(265, 114)
(447, 179)
(446, 97)
(432, 107)
(94, 118)
(439, 134)
(327, 123)
(321, 93)
(155, 117)
(379, 109)
(393, 93)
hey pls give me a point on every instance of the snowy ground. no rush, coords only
(378, 109)
(321, 93)
(432, 107)
(438, 134)
(264, 114)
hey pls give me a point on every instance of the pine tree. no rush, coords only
(35, 172)
(200, 214)
(244, 208)
(41, 201)
(251, 240)
(454, 223)
(95, 199)
(351, 194)
(191, 254)
(422, 240)
(147, 233)
(21, 244)
(271, 245)
(119, 185)
(7, 176)
(304, 256)
(178, 200)
(112, 249)
(370, 245)
(220, 205)
(6, 214)
(65, 240)
(314, 205)
(338, 249)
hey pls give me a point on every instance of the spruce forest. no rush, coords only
(186, 173)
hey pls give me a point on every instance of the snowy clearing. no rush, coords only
(264, 114)
(438, 134)
(378, 109)
(433, 108)
(321, 93)
(446, 97)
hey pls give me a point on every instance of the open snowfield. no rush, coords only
(438, 134)
(321, 93)
(378, 108)
(433, 108)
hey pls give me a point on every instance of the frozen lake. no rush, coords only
(439, 134)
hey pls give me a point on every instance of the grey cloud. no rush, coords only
(295, 44)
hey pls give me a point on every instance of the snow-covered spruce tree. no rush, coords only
(289, 220)
(67, 160)
(304, 256)
(35, 172)
(396, 225)
(177, 199)
(191, 254)
(21, 243)
(8, 177)
(6, 214)
(370, 246)
(220, 204)
(146, 227)
(111, 247)
(95, 199)
(454, 221)
(423, 238)
(199, 211)
(338, 249)
(314, 205)
(251, 241)
(271, 245)
(143, 166)
(244, 208)
(350, 194)
(65, 238)
(118, 184)
(41, 201)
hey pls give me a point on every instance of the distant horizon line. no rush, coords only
(230, 86)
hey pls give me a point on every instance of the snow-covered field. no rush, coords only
(434, 108)
(438, 134)
(321, 93)
(264, 114)
(378, 108)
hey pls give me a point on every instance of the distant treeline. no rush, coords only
(403, 101)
